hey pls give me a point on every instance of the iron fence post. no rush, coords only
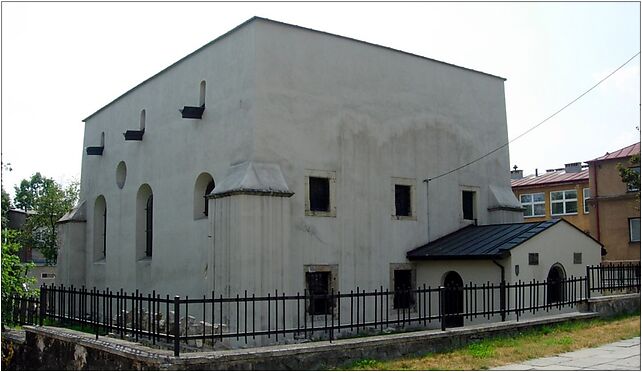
(41, 310)
(177, 332)
(502, 299)
(442, 315)
(588, 282)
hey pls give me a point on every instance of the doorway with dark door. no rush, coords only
(453, 300)
(555, 284)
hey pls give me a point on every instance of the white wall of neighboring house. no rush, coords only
(284, 103)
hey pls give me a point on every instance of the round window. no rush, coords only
(121, 174)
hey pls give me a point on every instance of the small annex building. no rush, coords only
(531, 251)
(511, 252)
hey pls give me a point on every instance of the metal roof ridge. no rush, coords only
(606, 156)
(508, 237)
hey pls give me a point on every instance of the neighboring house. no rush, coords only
(43, 273)
(558, 193)
(615, 209)
(283, 158)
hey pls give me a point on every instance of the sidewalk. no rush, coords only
(619, 356)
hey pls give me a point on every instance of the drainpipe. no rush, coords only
(427, 181)
(501, 267)
(597, 208)
(502, 292)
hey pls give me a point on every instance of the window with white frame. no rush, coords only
(563, 202)
(634, 230)
(533, 204)
(586, 194)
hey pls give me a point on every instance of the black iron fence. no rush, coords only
(184, 323)
(614, 277)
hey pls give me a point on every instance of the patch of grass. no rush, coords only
(481, 350)
(365, 364)
(546, 330)
(536, 343)
(564, 340)
(75, 327)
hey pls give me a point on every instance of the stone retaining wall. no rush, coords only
(57, 348)
(608, 306)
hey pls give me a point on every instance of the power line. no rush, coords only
(535, 126)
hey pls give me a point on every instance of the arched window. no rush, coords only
(100, 228)
(144, 222)
(149, 225)
(202, 187)
(142, 119)
(201, 100)
(208, 190)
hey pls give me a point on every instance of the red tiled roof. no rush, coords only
(551, 177)
(621, 153)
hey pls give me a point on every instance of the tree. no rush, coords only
(14, 273)
(6, 205)
(49, 201)
(30, 190)
(631, 176)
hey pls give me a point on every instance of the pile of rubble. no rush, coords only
(188, 326)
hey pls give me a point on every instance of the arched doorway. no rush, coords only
(555, 284)
(453, 299)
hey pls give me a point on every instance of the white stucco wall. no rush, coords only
(370, 114)
(305, 101)
(172, 154)
(556, 245)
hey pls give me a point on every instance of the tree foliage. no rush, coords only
(6, 205)
(14, 273)
(49, 201)
(629, 175)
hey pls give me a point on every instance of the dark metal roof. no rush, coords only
(480, 242)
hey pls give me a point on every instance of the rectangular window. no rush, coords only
(468, 204)
(534, 204)
(319, 194)
(577, 258)
(563, 202)
(402, 201)
(47, 276)
(533, 258)
(404, 297)
(586, 194)
(634, 229)
(631, 187)
(318, 284)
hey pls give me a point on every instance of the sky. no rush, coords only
(63, 61)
